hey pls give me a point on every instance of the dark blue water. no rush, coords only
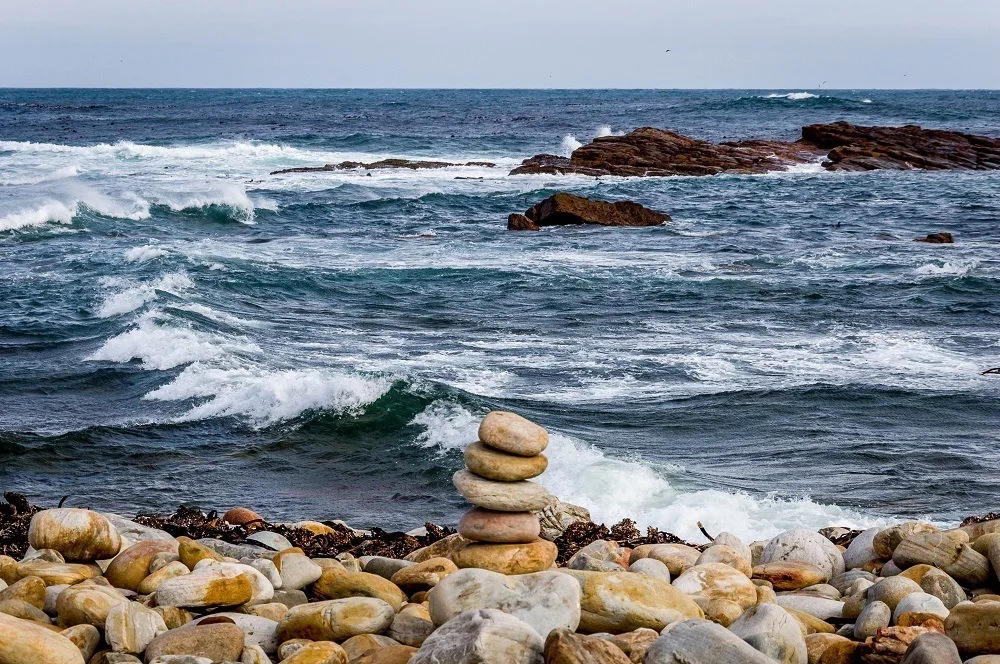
(176, 325)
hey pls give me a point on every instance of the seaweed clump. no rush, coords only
(338, 537)
(581, 533)
(15, 517)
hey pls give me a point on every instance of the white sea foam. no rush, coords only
(793, 96)
(807, 168)
(126, 296)
(222, 194)
(41, 178)
(604, 131)
(219, 316)
(947, 268)
(72, 201)
(161, 347)
(614, 489)
(50, 212)
(235, 156)
(569, 144)
(145, 253)
(267, 397)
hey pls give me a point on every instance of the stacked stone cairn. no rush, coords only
(502, 531)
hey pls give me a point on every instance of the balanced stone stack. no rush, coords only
(503, 531)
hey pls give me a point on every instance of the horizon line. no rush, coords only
(486, 89)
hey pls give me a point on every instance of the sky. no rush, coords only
(770, 44)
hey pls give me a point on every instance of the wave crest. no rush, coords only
(268, 397)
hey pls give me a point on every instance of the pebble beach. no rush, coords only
(90, 587)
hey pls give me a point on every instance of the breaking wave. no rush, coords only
(614, 488)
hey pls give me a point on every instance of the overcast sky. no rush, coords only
(780, 44)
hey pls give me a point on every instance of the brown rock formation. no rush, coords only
(937, 238)
(564, 209)
(855, 148)
(847, 147)
(385, 163)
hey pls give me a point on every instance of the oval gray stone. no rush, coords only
(522, 496)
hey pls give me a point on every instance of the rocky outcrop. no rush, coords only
(856, 148)
(937, 238)
(648, 151)
(566, 209)
(383, 164)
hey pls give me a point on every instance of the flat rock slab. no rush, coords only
(383, 164)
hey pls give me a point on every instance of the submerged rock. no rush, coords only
(566, 209)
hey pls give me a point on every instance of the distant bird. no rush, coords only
(667, 51)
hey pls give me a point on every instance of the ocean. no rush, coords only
(179, 326)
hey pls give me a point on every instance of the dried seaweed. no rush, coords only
(969, 520)
(581, 533)
(845, 539)
(192, 522)
(15, 517)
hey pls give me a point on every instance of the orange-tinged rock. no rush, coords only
(496, 465)
(565, 647)
(509, 432)
(87, 603)
(240, 516)
(790, 575)
(359, 584)
(211, 586)
(618, 602)
(830, 648)
(443, 548)
(30, 589)
(191, 552)
(717, 581)
(398, 654)
(483, 525)
(507, 558)
(21, 609)
(26, 642)
(131, 566)
(677, 557)
(79, 535)
(318, 652)
(423, 575)
(336, 620)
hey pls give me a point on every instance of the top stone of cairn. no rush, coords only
(509, 432)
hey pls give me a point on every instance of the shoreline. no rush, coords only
(98, 588)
